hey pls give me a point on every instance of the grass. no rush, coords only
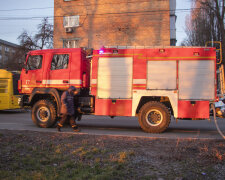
(60, 156)
(85, 162)
(33, 167)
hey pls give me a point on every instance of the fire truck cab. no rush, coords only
(153, 83)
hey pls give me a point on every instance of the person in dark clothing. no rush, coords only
(67, 108)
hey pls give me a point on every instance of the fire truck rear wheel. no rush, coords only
(44, 114)
(154, 117)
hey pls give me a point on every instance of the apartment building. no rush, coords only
(97, 23)
(7, 50)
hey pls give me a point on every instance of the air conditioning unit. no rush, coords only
(69, 30)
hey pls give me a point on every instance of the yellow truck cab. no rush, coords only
(9, 95)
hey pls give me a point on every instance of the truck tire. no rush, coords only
(154, 117)
(44, 113)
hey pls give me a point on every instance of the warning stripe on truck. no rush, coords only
(54, 83)
(71, 81)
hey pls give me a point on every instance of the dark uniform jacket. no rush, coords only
(67, 102)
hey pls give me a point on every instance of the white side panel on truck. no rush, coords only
(197, 80)
(115, 77)
(162, 75)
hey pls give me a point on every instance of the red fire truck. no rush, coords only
(153, 84)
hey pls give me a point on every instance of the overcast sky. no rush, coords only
(19, 15)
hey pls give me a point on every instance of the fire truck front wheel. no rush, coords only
(154, 117)
(44, 113)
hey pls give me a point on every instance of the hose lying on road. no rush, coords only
(217, 127)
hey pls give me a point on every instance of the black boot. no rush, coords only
(58, 127)
(75, 128)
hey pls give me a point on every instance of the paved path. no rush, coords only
(119, 126)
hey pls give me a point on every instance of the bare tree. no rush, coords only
(26, 41)
(206, 23)
(218, 9)
(43, 39)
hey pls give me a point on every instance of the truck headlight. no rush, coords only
(19, 100)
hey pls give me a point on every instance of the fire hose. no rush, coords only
(217, 127)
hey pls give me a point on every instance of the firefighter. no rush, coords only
(67, 108)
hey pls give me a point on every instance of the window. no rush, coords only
(71, 21)
(0, 47)
(60, 61)
(3, 86)
(34, 62)
(19, 61)
(5, 59)
(6, 49)
(70, 44)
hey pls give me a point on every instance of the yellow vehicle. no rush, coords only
(9, 95)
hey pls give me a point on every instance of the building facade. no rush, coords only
(97, 23)
(7, 51)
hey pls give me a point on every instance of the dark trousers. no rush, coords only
(65, 117)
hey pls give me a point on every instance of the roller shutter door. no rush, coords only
(161, 75)
(196, 80)
(115, 78)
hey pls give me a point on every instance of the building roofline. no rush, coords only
(8, 43)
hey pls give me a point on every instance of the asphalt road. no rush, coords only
(119, 126)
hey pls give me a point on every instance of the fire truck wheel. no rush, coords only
(44, 113)
(154, 117)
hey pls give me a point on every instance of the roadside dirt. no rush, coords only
(35, 155)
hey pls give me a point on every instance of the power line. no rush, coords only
(95, 14)
(5, 10)
(24, 18)
(76, 5)
(28, 9)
